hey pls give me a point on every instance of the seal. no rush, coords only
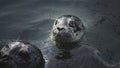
(67, 29)
(66, 49)
(21, 54)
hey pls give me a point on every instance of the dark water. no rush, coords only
(33, 19)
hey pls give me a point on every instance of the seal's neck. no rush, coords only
(67, 46)
(65, 49)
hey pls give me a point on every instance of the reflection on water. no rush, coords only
(32, 20)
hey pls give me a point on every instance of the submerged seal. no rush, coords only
(67, 51)
(21, 54)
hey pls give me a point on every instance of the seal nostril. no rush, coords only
(60, 28)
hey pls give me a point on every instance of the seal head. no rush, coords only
(67, 29)
(21, 54)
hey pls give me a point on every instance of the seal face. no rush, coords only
(21, 54)
(67, 28)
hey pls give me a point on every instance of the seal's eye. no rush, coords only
(72, 24)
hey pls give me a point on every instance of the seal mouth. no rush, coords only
(4, 61)
(62, 36)
(4, 58)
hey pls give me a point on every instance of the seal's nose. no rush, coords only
(60, 28)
